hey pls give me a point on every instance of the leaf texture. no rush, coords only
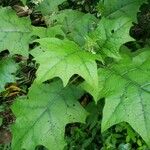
(43, 115)
(7, 72)
(117, 8)
(49, 6)
(127, 92)
(42, 32)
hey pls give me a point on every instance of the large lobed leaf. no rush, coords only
(64, 58)
(110, 34)
(7, 72)
(43, 115)
(14, 32)
(127, 93)
(117, 8)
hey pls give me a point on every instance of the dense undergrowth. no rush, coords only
(74, 75)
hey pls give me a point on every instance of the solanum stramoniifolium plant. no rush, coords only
(71, 44)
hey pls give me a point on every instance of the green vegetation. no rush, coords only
(74, 75)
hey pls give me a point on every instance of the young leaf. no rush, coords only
(111, 34)
(127, 93)
(117, 8)
(7, 68)
(48, 6)
(64, 58)
(14, 33)
(43, 115)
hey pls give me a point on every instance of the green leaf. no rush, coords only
(24, 1)
(75, 24)
(110, 35)
(127, 94)
(48, 32)
(19, 31)
(64, 58)
(48, 6)
(14, 33)
(43, 115)
(117, 8)
(1, 109)
(7, 68)
(1, 121)
(90, 89)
